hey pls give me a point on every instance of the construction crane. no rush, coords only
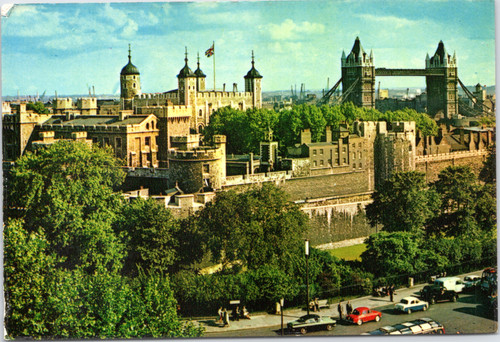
(326, 97)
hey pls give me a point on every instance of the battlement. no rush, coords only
(223, 94)
(198, 154)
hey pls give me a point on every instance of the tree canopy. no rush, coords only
(257, 227)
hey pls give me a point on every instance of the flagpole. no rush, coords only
(213, 46)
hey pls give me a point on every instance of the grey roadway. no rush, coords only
(236, 328)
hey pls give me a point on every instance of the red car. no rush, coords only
(364, 314)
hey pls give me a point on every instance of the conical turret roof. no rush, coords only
(441, 52)
(357, 49)
(198, 71)
(186, 71)
(253, 73)
(129, 69)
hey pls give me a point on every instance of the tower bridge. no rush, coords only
(359, 72)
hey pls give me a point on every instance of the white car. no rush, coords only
(450, 284)
(410, 304)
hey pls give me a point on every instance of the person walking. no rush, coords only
(391, 292)
(226, 318)
(221, 315)
(341, 310)
(316, 304)
(348, 308)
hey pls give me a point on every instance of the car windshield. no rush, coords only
(307, 317)
(404, 301)
(467, 279)
(356, 312)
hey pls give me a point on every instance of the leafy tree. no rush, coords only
(37, 107)
(403, 203)
(389, 254)
(149, 232)
(68, 190)
(257, 227)
(27, 264)
(457, 188)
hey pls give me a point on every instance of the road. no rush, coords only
(469, 315)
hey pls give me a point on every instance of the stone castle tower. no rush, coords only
(130, 83)
(358, 72)
(442, 92)
(186, 80)
(200, 77)
(253, 85)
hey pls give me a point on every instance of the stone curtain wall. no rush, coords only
(331, 222)
(431, 165)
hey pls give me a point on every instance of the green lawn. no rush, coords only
(349, 253)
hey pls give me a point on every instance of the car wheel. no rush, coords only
(303, 331)
(329, 327)
(433, 301)
(409, 311)
(377, 318)
(425, 308)
(359, 322)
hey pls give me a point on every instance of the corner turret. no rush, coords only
(130, 83)
(186, 80)
(253, 81)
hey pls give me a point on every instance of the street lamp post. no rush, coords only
(307, 273)
(282, 302)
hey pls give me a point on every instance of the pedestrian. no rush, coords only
(340, 310)
(221, 314)
(237, 313)
(226, 318)
(391, 292)
(316, 304)
(348, 308)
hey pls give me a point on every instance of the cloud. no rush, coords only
(130, 28)
(289, 30)
(391, 21)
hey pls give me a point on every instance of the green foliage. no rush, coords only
(392, 253)
(37, 107)
(257, 227)
(149, 232)
(67, 190)
(26, 267)
(403, 203)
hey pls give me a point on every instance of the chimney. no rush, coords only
(305, 136)
(223, 87)
(328, 133)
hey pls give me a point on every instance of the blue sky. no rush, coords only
(67, 47)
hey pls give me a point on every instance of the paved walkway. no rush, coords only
(268, 320)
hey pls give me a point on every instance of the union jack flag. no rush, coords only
(210, 51)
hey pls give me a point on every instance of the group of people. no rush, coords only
(236, 314)
(383, 291)
(348, 309)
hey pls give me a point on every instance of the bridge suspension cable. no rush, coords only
(330, 92)
(474, 100)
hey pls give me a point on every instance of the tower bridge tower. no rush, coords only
(358, 72)
(442, 91)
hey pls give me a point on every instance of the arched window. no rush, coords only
(200, 113)
(147, 125)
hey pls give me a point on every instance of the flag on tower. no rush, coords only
(210, 51)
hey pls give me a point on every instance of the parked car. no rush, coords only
(434, 294)
(416, 327)
(311, 322)
(471, 282)
(364, 314)
(450, 283)
(410, 304)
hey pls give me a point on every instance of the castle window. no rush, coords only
(206, 168)
(147, 125)
(133, 77)
(118, 142)
(321, 151)
(314, 152)
(360, 165)
(354, 165)
(345, 161)
(359, 145)
(343, 149)
(330, 162)
(315, 163)
(148, 141)
(321, 162)
(200, 113)
(359, 155)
